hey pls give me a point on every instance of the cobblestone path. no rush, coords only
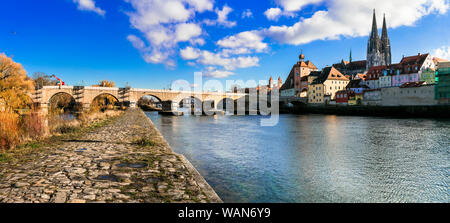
(106, 165)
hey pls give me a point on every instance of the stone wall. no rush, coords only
(414, 96)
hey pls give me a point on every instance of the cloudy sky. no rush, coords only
(151, 43)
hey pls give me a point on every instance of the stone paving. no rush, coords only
(107, 165)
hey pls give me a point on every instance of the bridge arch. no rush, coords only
(104, 101)
(150, 102)
(226, 104)
(192, 103)
(62, 102)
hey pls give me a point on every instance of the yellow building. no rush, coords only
(355, 99)
(326, 82)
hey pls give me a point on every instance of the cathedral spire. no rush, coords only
(384, 33)
(374, 55)
(374, 42)
(374, 33)
(350, 59)
(385, 43)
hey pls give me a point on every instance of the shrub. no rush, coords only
(9, 130)
(57, 124)
(33, 125)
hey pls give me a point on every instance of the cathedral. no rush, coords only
(378, 53)
(378, 50)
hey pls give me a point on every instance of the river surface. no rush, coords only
(316, 158)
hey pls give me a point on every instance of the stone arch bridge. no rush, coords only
(128, 96)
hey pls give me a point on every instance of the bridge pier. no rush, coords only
(132, 104)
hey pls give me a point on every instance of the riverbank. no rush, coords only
(124, 159)
(441, 111)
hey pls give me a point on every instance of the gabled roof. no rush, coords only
(414, 60)
(307, 64)
(361, 76)
(438, 60)
(375, 72)
(356, 83)
(328, 73)
(354, 65)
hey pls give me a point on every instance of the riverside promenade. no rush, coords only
(108, 164)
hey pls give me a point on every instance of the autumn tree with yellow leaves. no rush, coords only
(105, 83)
(14, 89)
(14, 84)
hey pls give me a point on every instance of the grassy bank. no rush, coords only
(58, 133)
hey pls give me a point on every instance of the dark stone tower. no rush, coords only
(374, 47)
(385, 44)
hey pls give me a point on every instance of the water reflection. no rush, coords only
(315, 158)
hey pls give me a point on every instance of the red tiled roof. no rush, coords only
(414, 60)
(354, 65)
(307, 64)
(438, 60)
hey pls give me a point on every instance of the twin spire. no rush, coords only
(378, 50)
(375, 26)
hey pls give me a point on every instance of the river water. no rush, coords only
(316, 158)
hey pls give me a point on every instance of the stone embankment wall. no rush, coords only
(126, 161)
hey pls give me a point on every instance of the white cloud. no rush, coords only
(89, 5)
(201, 5)
(164, 24)
(295, 5)
(137, 42)
(218, 59)
(208, 58)
(243, 43)
(289, 7)
(273, 13)
(222, 18)
(197, 41)
(187, 31)
(215, 73)
(189, 53)
(341, 20)
(247, 14)
(443, 52)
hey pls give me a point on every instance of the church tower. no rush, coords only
(374, 51)
(385, 44)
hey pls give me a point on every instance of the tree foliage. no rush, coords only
(14, 84)
(62, 103)
(41, 79)
(105, 83)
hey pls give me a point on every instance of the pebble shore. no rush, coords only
(107, 166)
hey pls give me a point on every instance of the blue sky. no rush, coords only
(150, 43)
